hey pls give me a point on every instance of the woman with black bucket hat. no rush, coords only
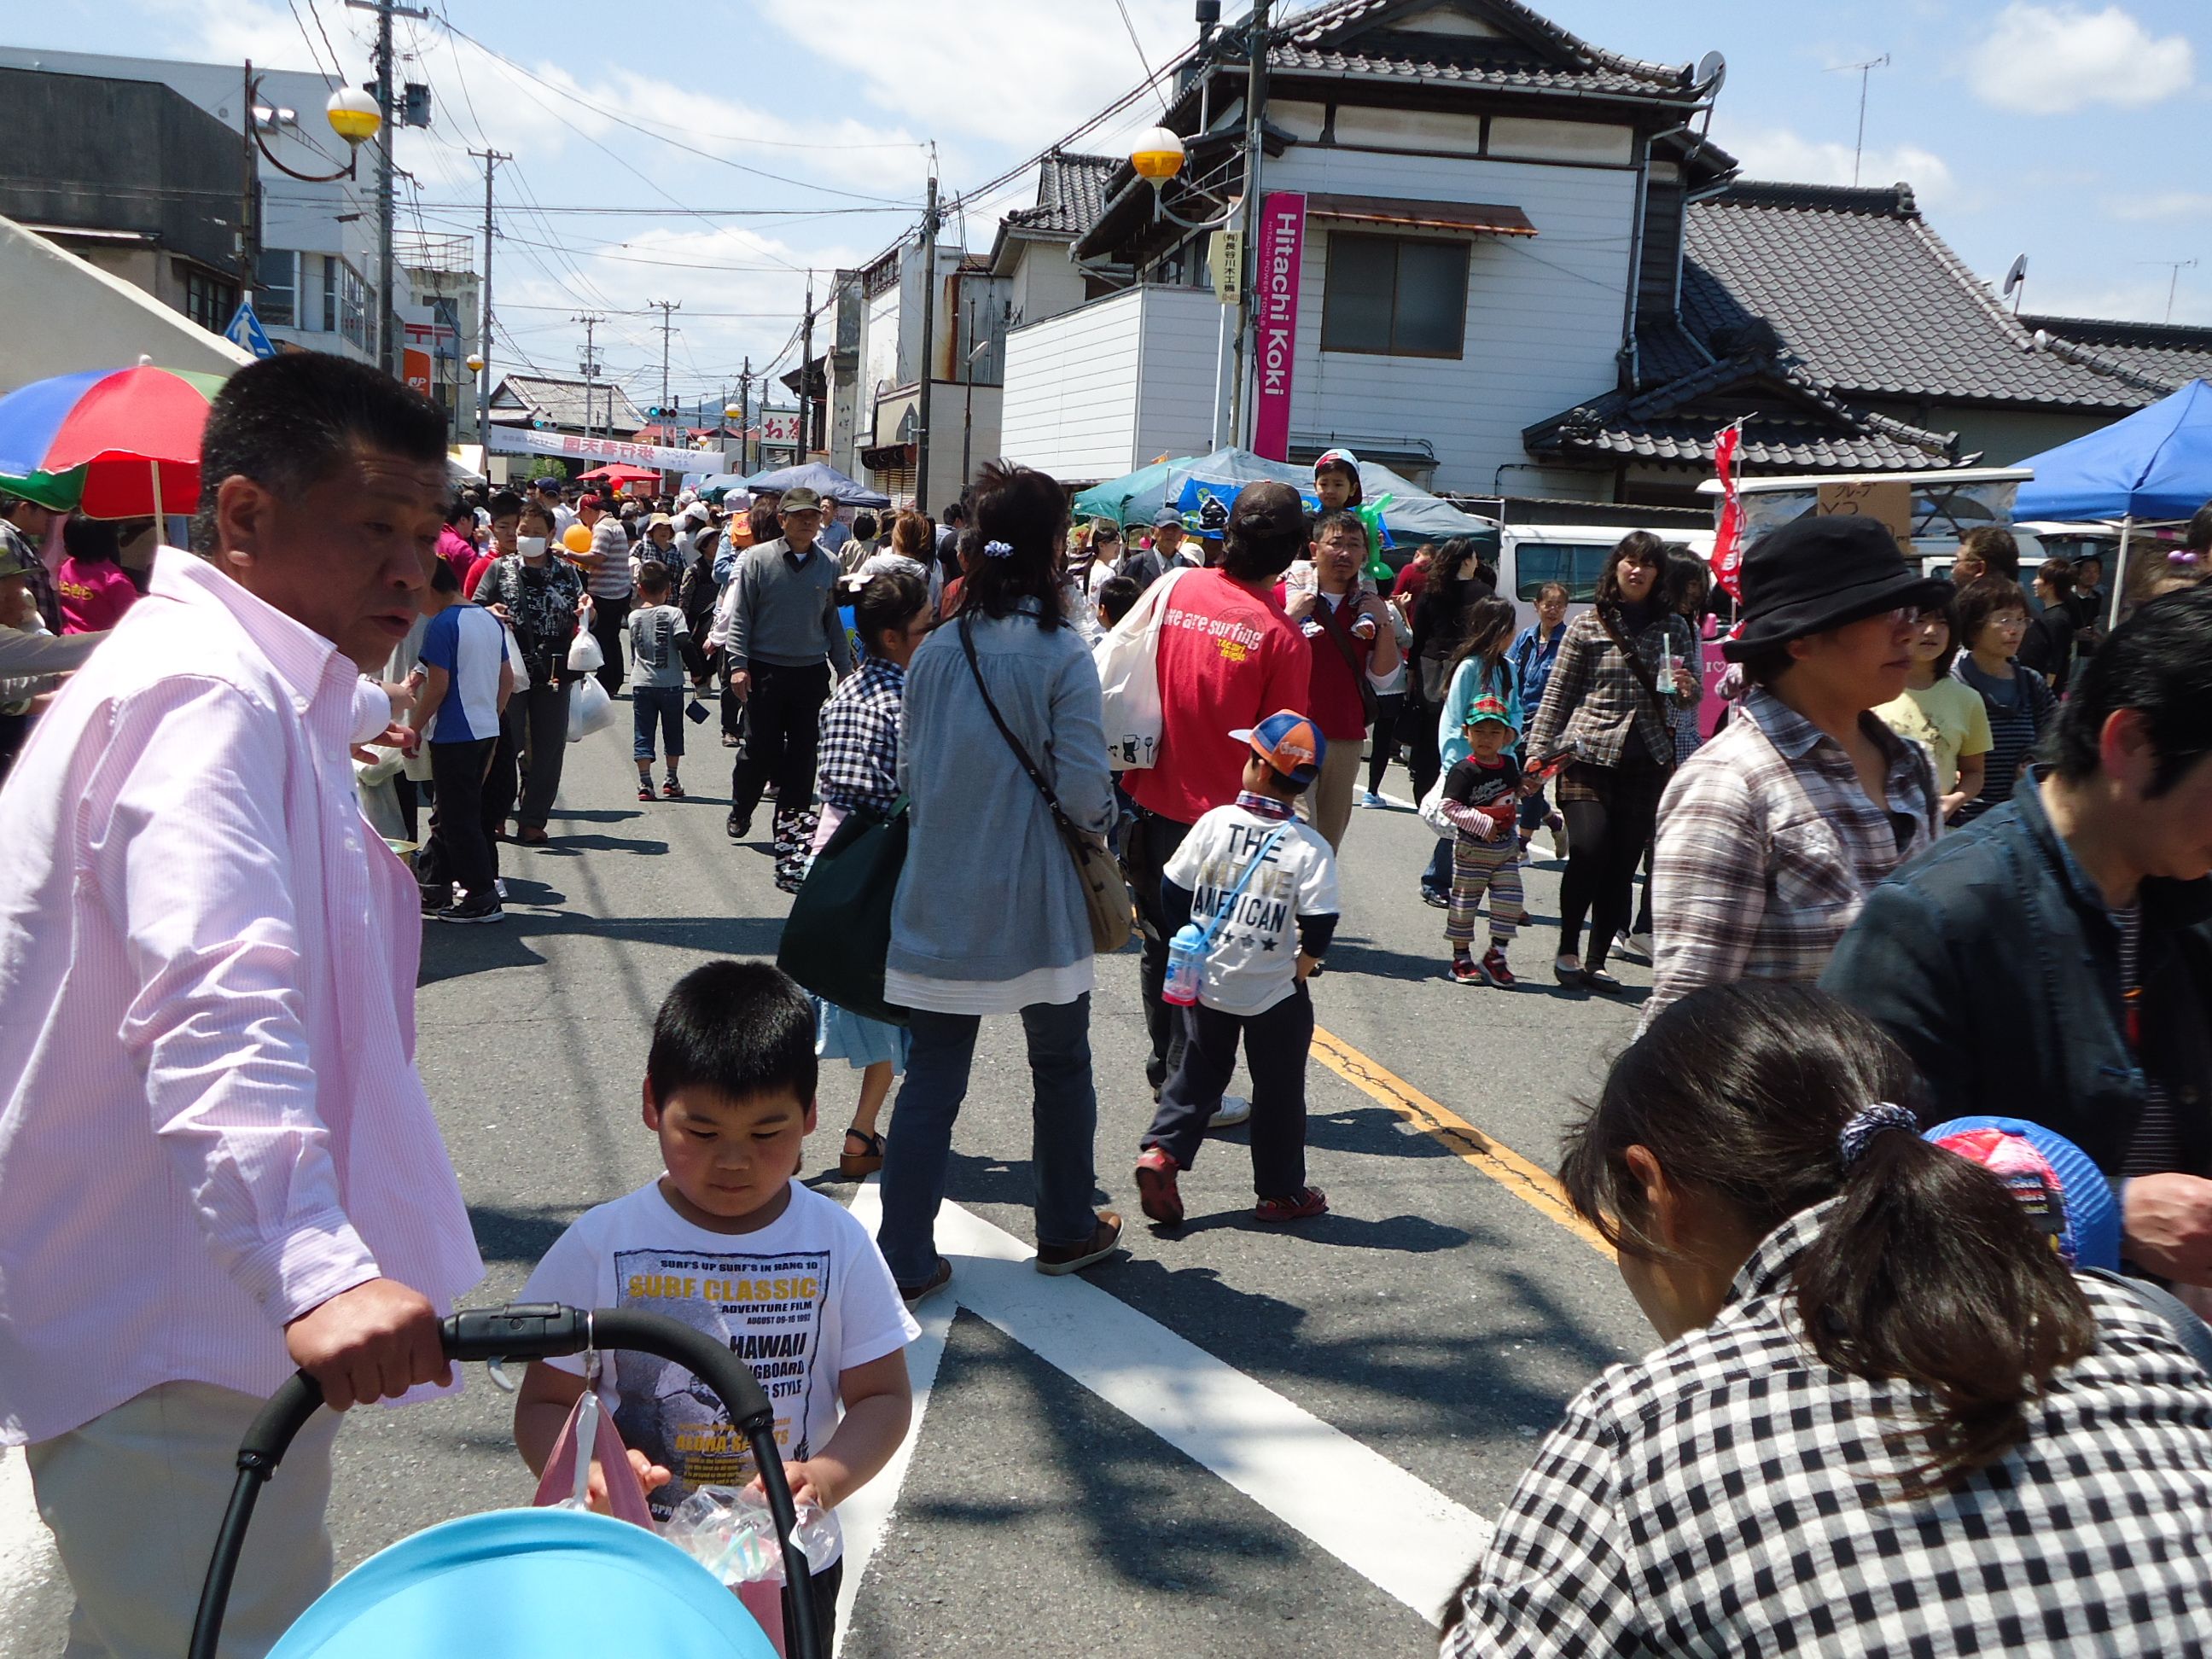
(1770, 836)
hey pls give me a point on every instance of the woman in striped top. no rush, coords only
(1992, 619)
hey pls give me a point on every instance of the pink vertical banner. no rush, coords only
(1275, 329)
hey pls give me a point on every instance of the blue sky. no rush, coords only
(2074, 133)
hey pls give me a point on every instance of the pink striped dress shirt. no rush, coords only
(209, 1116)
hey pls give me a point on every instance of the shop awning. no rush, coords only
(1487, 217)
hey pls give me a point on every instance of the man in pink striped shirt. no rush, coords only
(216, 1160)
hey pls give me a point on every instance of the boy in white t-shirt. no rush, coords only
(727, 1240)
(1270, 937)
(466, 682)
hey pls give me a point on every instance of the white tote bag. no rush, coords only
(1129, 680)
(1433, 811)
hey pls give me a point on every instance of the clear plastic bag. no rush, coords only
(729, 1531)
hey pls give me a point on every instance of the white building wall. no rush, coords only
(1180, 393)
(1071, 393)
(1544, 313)
(1046, 282)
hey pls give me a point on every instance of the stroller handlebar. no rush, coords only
(528, 1330)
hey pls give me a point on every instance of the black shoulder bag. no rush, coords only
(1105, 891)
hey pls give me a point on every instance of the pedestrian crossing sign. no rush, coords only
(246, 330)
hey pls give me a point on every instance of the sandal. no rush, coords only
(858, 1166)
(1597, 979)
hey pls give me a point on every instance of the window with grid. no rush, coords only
(277, 286)
(1397, 296)
(209, 300)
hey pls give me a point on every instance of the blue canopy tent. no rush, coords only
(1412, 513)
(824, 480)
(2155, 465)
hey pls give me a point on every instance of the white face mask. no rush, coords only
(530, 547)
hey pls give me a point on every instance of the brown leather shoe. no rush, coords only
(1105, 1239)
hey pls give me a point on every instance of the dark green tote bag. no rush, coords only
(840, 927)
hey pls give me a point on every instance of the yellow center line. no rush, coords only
(1533, 1185)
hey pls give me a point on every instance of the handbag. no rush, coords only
(839, 931)
(1433, 811)
(1105, 889)
(1333, 625)
(1129, 663)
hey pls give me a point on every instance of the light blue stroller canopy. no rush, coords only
(528, 1584)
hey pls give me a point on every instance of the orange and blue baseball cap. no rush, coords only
(1290, 743)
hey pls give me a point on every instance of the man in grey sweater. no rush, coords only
(784, 635)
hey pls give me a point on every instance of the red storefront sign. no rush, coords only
(1275, 328)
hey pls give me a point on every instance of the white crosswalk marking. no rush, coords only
(1402, 1535)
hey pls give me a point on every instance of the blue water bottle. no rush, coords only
(1185, 965)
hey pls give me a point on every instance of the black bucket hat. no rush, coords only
(1814, 573)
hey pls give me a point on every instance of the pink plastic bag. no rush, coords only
(763, 1599)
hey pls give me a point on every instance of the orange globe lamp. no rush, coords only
(1157, 155)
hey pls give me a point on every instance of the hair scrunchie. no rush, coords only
(1865, 1124)
(998, 549)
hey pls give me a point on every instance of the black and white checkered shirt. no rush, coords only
(858, 757)
(1729, 1494)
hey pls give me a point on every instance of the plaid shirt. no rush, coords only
(860, 737)
(1594, 698)
(1768, 846)
(1732, 1494)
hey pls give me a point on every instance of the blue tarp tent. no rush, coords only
(2155, 465)
(1413, 515)
(821, 478)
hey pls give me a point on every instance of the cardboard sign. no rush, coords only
(1888, 502)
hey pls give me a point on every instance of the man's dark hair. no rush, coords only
(2199, 538)
(1117, 595)
(442, 579)
(957, 514)
(504, 505)
(653, 577)
(1338, 518)
(1266, 532)
(463, 511)
(2159, 663)
(864, 527)
(289, 422)
(741, 1029)
(1997, 549)
(1024, 512)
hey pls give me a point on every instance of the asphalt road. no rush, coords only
(1435, 1317)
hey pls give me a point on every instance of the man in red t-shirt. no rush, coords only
(1350, 635)
(1228, 658)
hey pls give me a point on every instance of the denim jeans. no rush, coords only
(1064, 1127)
(656, 708)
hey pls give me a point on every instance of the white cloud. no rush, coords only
(2164, 204)
(1779, 153)
(2050, 60)
(2136, 298)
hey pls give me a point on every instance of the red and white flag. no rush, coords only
(1728, 535)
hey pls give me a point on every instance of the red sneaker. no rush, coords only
(1494, 968)
(1156, 1186)
(1311, 1202)
(1464, 971)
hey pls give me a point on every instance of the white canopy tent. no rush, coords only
(64, 315)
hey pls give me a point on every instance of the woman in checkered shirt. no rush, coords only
(1887, 1420)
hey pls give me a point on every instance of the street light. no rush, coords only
(353, 115)
(476, 363)
(733, 412)
(1157, 155)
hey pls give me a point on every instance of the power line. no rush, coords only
(1143, 62)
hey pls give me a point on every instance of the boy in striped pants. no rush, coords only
(1482, 799)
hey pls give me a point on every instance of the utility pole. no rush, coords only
(928, 339)
(745, 417)
(806, 379)
(666, 308)
(245, 193)
(1256, 105)
(591, 320)
(387, 307)
(491, 158)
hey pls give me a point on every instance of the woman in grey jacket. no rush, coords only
(990, 917)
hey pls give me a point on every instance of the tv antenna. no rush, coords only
(1865, 67)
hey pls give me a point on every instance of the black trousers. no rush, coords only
(783, 732)
(610, 624)
(1389, 706)
(1610, 811)
(460, 823)
(1151, 841)
(1275, 1044)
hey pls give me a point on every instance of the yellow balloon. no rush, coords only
(576, 539)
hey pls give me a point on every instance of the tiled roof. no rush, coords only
(1791, 425)
(1351, 37)
(562, 402)
(2167, 351)
(1863, 295)
(1071, 194)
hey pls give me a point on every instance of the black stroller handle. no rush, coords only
(540, 1330)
